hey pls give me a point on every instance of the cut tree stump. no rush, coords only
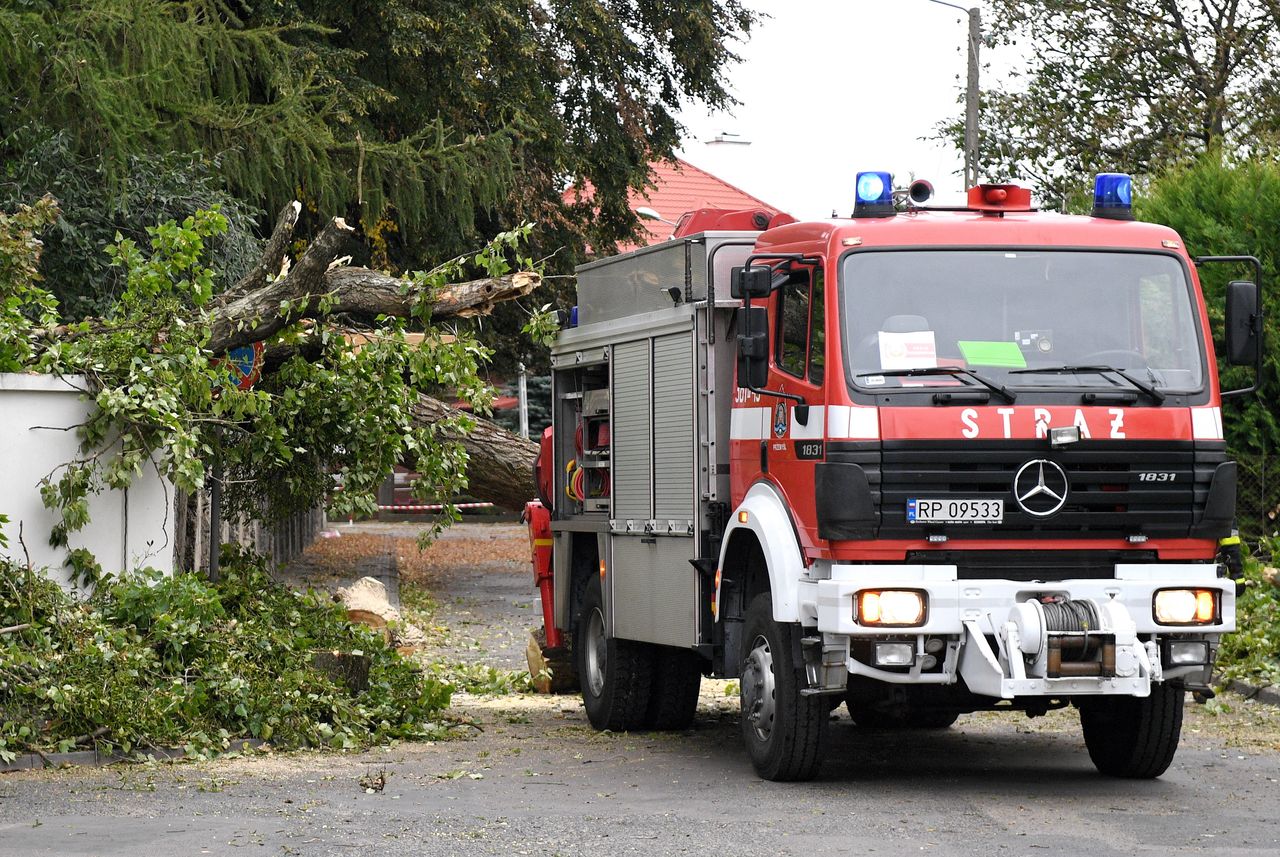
(371, 620)
(552, 670)
(346, 668)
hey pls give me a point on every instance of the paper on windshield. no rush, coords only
(913, 350)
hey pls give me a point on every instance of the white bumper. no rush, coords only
(969, 612)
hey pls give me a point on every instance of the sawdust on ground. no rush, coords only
(341, 554)
(418, 567)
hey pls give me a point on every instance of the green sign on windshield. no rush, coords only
(1004, 355)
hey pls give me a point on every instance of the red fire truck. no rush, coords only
(922, 461)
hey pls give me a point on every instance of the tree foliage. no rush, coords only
(23, 301)
(91, 213)
(1131, 86)
(335, 405)
(280, 107)
(430, 123)
(1230, 209)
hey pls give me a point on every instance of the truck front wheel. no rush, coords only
(615, 674)
(1134, 737)
(783, 730)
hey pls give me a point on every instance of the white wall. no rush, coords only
(127, 529)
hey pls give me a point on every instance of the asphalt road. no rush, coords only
(538, 780)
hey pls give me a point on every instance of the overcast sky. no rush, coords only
(832, 87)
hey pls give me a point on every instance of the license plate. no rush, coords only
(954, 511)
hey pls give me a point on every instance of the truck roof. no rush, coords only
(932, 227)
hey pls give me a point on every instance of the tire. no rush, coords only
(615, 675)
(673, 698)
(1134, 737)
(784, 731)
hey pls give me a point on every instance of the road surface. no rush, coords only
(538, 780)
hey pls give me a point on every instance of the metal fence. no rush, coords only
(281, 541)
(1258, 503)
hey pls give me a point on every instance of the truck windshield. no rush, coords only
(1007, 313)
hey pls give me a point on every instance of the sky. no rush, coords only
(829, 88)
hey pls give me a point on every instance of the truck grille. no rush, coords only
(1107, 497)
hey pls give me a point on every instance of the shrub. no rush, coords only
(178, 661)
(1252, 653)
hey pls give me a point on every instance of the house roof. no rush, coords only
(678, 188)
(681, 187)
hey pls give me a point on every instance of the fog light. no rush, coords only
(1185, 606)
(895, 654)
(1183, 653)
(891, 607)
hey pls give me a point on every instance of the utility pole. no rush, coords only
(971, 93)
(971, 101)
(215, 513)
(524, 403)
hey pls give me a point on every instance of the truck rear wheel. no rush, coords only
(1134, 737)
(673, 698)
(615, 675)
(783, 730)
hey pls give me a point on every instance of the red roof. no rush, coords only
(682, 187)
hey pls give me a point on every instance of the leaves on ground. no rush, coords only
(177, 661)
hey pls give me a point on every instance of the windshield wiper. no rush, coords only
(1156, 396)
(993, 386)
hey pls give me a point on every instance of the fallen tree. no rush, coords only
(499, 463)
(277, 293)
(344, 391)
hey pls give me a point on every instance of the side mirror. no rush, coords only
(753, 282)
(753, 346)
(1243, 331)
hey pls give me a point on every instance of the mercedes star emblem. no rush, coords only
(1040, 487)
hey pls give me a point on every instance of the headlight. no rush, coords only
(891, 607)
(1185, 606)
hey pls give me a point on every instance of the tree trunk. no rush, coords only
(500, 469)
(262, 306)
(272, 295)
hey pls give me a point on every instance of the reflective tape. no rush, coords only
(1206, 423)
(853, 423)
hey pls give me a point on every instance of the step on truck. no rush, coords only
(920, 461)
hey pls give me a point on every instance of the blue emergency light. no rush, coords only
(1113, 196)
(874, 195)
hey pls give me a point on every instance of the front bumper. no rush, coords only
(995, 655)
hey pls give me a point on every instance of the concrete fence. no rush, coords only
(150, 524)
(127, 529)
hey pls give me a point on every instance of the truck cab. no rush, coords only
(934, 461)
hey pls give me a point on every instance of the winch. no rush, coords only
(1061, 637)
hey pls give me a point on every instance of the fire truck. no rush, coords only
(921, 461)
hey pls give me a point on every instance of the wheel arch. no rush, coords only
(763, 552)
